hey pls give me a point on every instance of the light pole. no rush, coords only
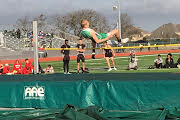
(119, 16)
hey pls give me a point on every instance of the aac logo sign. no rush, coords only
(34, 92)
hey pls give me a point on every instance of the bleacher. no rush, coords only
(23, 47)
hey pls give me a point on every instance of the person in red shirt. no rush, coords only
(6, 69)
(26, 70)
(17, 67)
(29, 68)
(1, 69)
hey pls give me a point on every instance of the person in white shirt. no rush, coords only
(158, 62)
(49, 69)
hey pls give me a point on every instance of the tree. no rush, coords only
(60, 27)
(126, 24)
(70, 23)
(24, 24)
(41, 19)
(127, 27)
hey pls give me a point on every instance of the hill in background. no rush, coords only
(166, 31)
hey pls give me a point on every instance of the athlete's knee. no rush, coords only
(115, 30)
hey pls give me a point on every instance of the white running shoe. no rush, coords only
(125, 40)
(65, 73)
(68, 73)
(109, 69)
(115, 68)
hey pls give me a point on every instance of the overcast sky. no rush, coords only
(147, 14)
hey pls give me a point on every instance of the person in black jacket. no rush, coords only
(169, 62)
(66, 57)
(18, 32)
(177, 65)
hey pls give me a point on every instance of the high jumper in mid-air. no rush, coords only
(98, 37)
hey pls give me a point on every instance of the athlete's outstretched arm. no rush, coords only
(93, 34)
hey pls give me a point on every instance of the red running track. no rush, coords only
(89, 56)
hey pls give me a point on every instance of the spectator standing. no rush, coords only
(141, 47)
(18, 32)
(156, 48)
(149, 48)
(158, 62)
(66, 57)
(80, 57)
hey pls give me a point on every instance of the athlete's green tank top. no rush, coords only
(87, 34)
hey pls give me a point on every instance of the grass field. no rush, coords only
(100, 65)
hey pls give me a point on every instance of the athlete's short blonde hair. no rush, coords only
(84, 22)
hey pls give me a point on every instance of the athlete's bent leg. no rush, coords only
(116, 33)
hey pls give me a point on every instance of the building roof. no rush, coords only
(166, 31)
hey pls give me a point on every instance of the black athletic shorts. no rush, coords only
(108, 54)
(66, 58)
(80, 57)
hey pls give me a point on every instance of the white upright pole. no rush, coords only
(35, 37)
(119, 25)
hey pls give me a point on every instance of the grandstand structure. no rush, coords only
(13, 48)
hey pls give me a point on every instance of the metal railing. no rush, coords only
(25, 43)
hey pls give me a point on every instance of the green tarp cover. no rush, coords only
(91, 113)
(154, 92)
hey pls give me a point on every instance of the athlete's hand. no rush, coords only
(114, 55)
